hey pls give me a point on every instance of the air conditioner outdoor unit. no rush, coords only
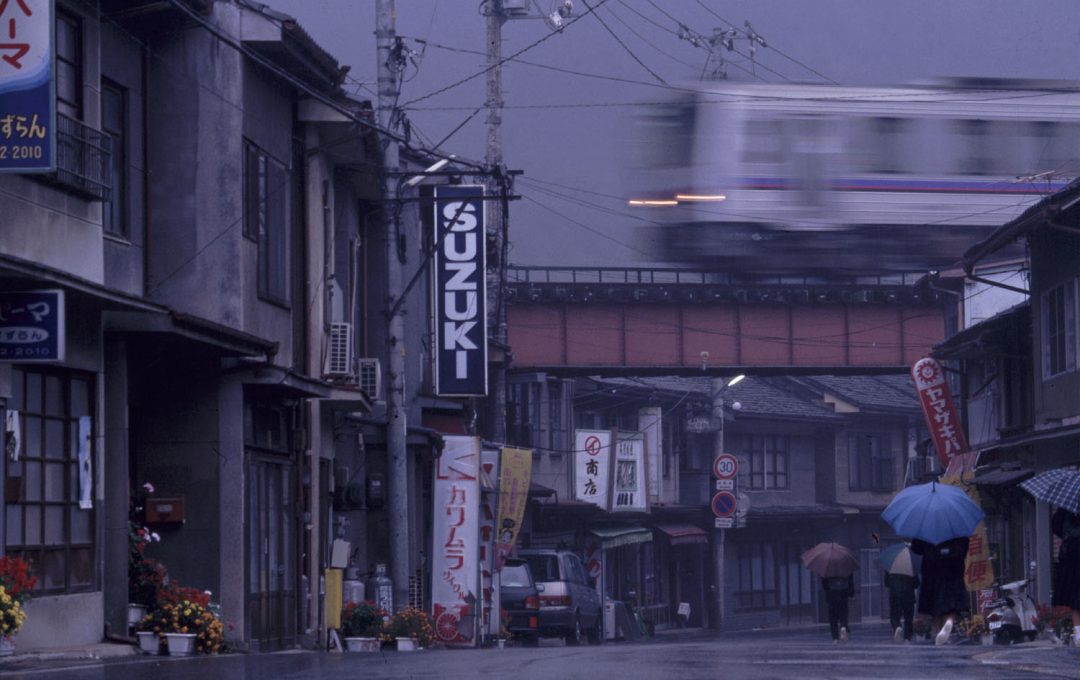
(339, 357)
(371, 377)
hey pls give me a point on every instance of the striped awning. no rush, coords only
(684, 534)
(619, 535)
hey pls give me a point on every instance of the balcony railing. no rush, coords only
(83, 160)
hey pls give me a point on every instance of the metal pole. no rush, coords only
(718, 543)
(495, 212)
(395, 394)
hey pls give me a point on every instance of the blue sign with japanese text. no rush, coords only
(27, 86)
(32, 326)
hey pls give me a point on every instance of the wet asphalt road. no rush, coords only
(806, 654)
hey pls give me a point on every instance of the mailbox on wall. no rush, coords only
(165, 510)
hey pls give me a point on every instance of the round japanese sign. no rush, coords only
(592, 445)
(723, 504)
(725, 466)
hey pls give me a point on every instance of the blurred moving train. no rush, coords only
(767, 178)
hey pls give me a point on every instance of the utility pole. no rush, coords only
(397, 458)
(718, 543)
(495, 214)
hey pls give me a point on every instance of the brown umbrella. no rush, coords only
(830, 559)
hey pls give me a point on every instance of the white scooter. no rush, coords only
(1011, 617)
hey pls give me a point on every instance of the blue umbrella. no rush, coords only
(933, 513)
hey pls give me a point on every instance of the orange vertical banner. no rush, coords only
(515, 473)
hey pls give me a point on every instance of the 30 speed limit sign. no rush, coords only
(725, 466)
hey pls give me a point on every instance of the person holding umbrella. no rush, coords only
(1066, 525)
(901, 581)
(939, 518)
(1061, 487)
(836, 565)
(943, 595)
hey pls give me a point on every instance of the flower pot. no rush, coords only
(501, 643)
(149, 642)
(361, 644)
(7, 646)
(986, 639)
(135, 613)
(407, 645)
(180, 644)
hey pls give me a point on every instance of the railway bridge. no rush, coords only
(649, 321)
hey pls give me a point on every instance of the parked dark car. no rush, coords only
(519, 597)
(569, 604)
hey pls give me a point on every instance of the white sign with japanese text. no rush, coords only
(651, 426)
(592, 466)
(455, 550)
(629, 493)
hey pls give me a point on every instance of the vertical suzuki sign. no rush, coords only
(460, 295)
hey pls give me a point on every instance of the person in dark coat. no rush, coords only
(943, 595)
(901, 603)
(1066, 525)
(838, 590)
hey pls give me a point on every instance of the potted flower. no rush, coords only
(16, 583)
(361, 625)
(146, 577)
(188, 627)
(410, 628)
(12, 618)
(976, 630)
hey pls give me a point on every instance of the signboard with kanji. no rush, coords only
(455, 541)
(27, 99)
(592, 466)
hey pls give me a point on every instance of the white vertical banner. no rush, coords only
(455, 553)
(592, 466)
(86, 471)
(629, 493)
(13, 436)
(651, 425)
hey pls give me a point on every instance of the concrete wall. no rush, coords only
(196, 261)
(122, 63)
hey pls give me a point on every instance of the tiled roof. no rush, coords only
(870, 392)
(756, 396)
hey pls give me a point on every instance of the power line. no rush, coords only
(771, 47)
(624, 45)
(502, 61)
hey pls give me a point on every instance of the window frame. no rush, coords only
(762, 454)
(43, 551)
(116, 218)
(75, 61)
(870, 467)
(1059, 329)
(266, 220)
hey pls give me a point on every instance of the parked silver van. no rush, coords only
(569, 604)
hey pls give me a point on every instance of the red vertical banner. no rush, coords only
(937, 405)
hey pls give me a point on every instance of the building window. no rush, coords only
(266, 219)
(114, 123)
(870, 463)
(767, 459)
(69, 64)
(757, 577)
(1059, 329)
(45, 523)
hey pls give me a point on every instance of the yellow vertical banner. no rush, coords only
(333, 598)
(515, 472)
(978, 570)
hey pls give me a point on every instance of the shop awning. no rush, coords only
(684, 534)
(615, 536)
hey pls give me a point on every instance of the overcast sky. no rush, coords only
(566, 131)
